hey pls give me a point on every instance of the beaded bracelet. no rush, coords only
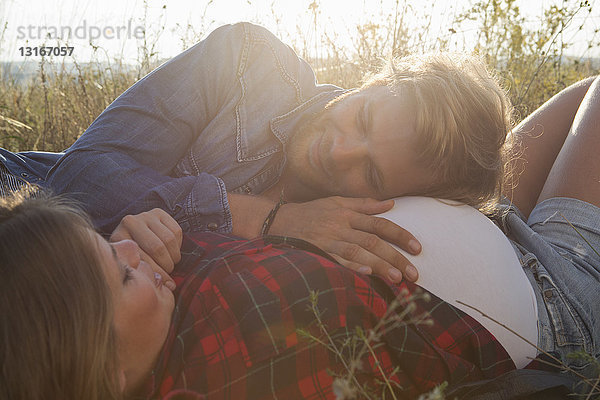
(271, 217)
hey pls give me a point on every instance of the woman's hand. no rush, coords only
(159, 237)
(347, 229)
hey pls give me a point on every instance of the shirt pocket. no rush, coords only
(269, 87)
(257, 314)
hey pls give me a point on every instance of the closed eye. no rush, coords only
(126, 271)
(362, 120)
(373, 175)
(128, 274)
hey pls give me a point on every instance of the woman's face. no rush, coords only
(142, 304)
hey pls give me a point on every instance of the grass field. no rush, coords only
(54, 106)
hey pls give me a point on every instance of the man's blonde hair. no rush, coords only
(463, 117)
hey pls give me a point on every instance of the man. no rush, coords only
(219, 134)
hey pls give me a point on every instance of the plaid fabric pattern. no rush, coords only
(241, 306)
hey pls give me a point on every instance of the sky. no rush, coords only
(116, 25)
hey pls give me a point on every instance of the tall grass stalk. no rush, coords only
(52, 108)
(353, 347)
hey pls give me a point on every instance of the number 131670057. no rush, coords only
(46, 51)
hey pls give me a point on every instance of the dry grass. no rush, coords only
(51, 110)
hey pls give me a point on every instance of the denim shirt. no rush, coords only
(214, 119)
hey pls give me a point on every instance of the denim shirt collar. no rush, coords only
(283, 126)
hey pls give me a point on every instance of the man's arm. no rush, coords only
(346, 228)
(122, 163)
(540, 137)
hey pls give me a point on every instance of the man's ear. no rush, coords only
(122, 380)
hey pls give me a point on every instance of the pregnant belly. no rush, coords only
(468, 261)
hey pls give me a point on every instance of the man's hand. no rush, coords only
(159, 237)
(347, 229)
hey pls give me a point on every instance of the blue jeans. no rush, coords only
(558, 246)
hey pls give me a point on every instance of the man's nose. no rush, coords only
(128, 251)
(347, 151)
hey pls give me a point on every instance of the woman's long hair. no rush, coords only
(57, 339)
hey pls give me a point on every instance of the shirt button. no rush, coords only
(24, 174)
(212, 226)
(548, 294)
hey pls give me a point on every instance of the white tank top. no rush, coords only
(466, 257)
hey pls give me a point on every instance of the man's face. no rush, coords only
(360, 146)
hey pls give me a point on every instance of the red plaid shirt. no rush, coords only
(240, 308)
